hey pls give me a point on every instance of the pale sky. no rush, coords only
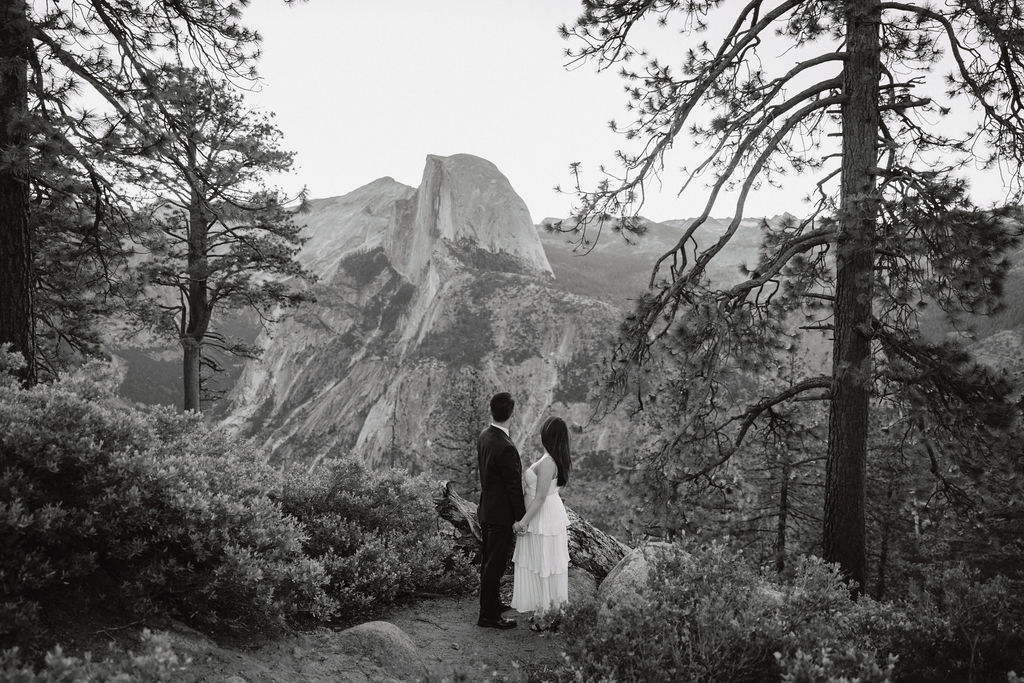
(367, 89)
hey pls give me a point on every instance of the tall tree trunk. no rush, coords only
(844, 536)
(883, 558)
(780, 529)
(191, 367)
(197, 311)
(16, 311)
(885, 531)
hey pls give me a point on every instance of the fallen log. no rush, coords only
(590, 548)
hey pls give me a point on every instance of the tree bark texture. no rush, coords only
(780, 529)
(590, 548)
(191, 367)
(844, 535)
(198, 311)
(16, 306)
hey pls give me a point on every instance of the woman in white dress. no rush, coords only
(541, 580)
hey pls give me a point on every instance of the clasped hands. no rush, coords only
(518, 528)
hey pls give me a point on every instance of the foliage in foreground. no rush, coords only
(375, 533)
(705, 614)
(157, 662)
(155, 510)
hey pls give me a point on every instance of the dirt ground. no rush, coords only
(445, 631)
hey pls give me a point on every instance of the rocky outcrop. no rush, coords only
(627, 580)
(337, 227)
(466, 206)
(428, 301)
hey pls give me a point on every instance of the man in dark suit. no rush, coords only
(501, 505)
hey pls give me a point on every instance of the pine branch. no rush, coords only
(748, 418)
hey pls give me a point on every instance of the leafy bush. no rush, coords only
(829, 666)
(148, 507)
(705, 614)
(374, 532)
(218, 534)
(153, 510)
(964, 626)
(157, 662)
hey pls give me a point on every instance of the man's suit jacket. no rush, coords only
(501, 478)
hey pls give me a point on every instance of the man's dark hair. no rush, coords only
(502, 406)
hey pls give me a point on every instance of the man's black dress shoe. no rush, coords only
(500, 622)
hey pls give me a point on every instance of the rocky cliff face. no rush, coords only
(339, 226)
(428, 301)
(463, 203)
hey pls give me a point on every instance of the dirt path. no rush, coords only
(445, 631)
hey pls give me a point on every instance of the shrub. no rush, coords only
(156, 662)
(374, 532)
(699, 617)
(706, 615)
(153, 510)
(145, 507)
(964, 626)
(830, 666)
(222, 543)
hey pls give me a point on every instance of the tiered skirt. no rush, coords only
(541, 579)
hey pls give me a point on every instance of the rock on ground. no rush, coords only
(373, 652)
(379, 651)
(625, 580)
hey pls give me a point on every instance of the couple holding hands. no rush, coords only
(525, 511)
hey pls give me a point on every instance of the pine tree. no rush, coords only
(766, 497)
(79, 263)
(218, 237)
(457, 421)
(52, 52)
(17, 324)
(891, 226)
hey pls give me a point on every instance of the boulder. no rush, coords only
(378, 651)
(626, 578)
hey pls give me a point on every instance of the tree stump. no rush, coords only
(590, 549)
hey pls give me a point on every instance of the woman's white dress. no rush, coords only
(541, 578)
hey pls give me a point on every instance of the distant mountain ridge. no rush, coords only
(470, 194)
(429, 294)
(420, 288)
(618, 267)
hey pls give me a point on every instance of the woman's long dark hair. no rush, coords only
(555, 437)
